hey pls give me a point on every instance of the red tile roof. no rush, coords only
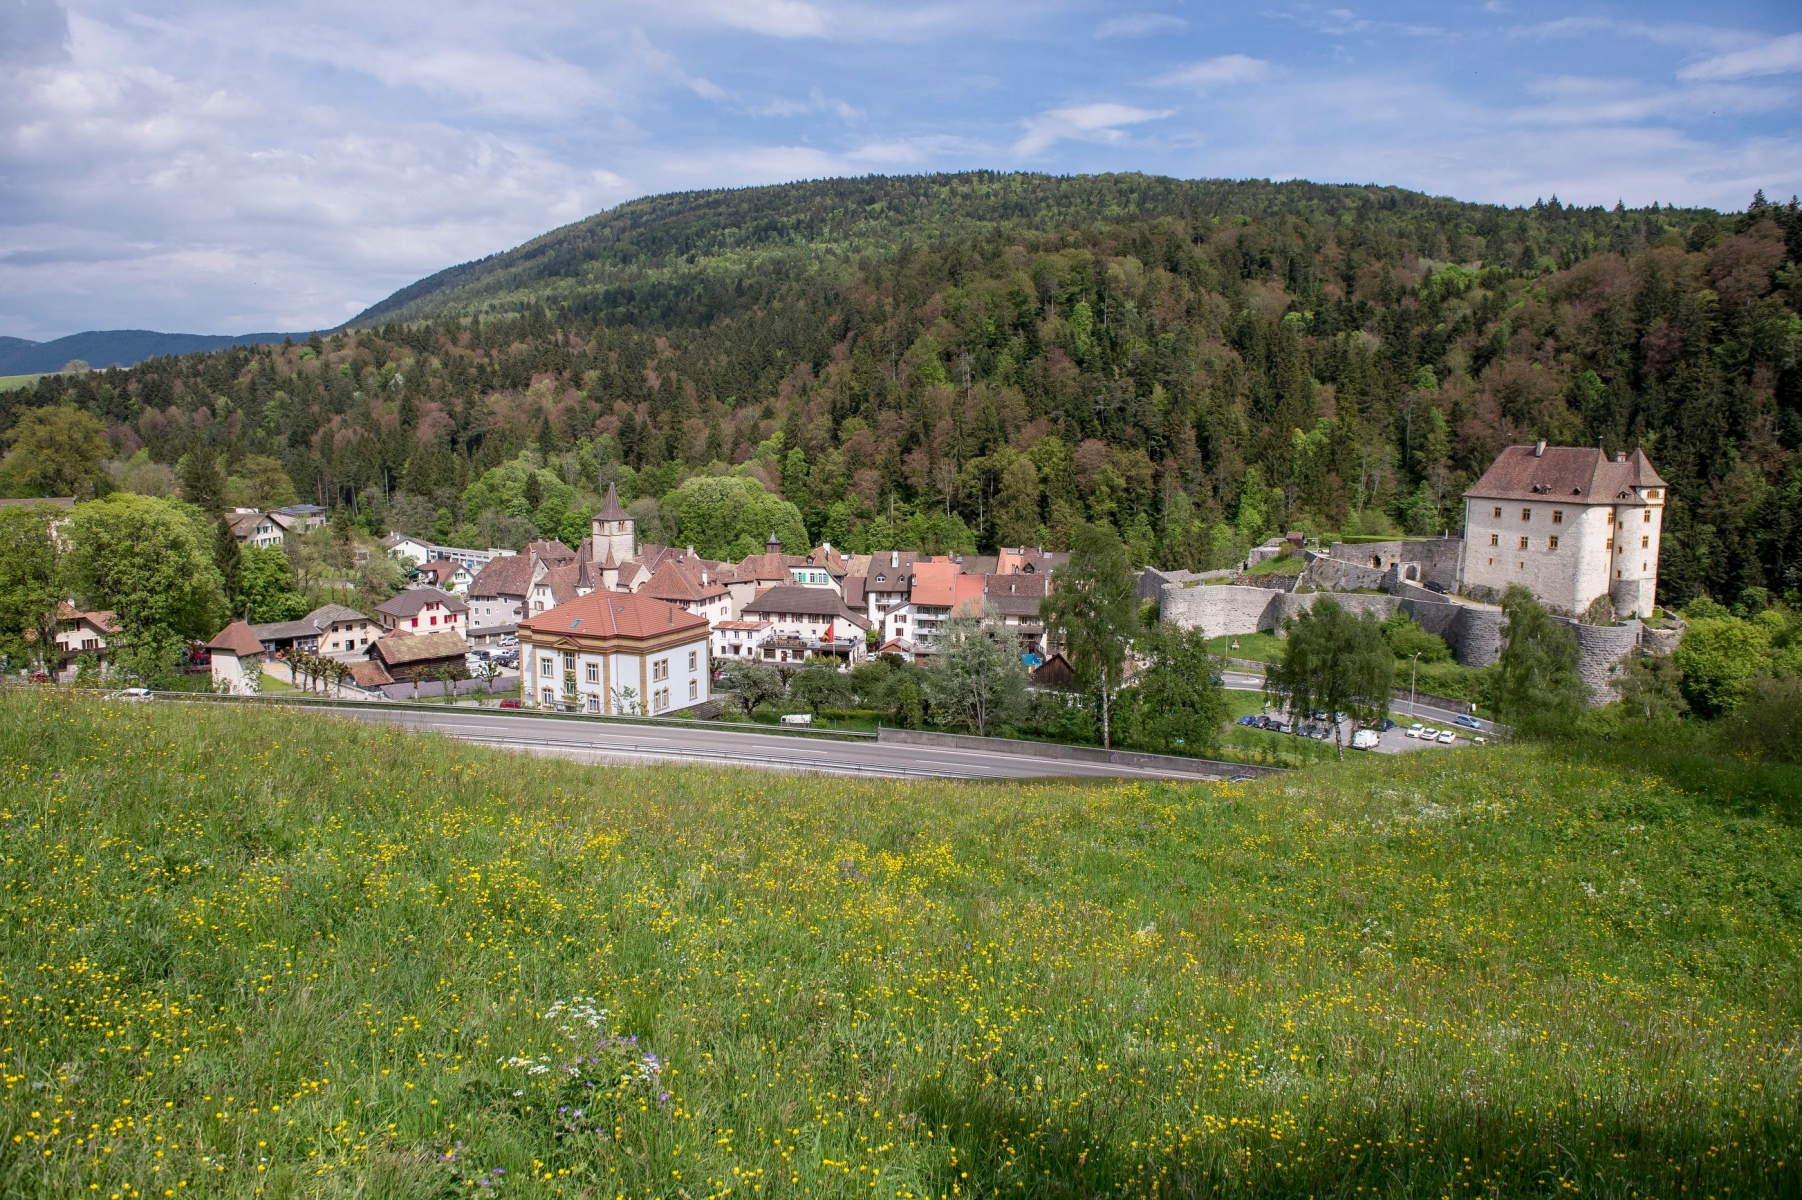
(671, 582)
(614, 614)
(935, 584)
(1580, 474)
(237, 638)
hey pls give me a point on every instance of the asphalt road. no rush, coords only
(600, 741)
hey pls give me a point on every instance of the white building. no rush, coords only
(1569, 524)
(808, 621)
(741, 640)
(253, 528)
(614, 654)
(237, 660)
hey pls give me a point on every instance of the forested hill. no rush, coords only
(950, 361)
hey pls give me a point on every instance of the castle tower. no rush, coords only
(615, 533)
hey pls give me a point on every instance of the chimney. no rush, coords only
(1539, 448)
(1620, 456)
(894, 559)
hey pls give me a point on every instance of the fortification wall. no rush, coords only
(1476, 636)
(1220, 609)
(1335, 574)
(1436, 558)
(1290, 604)
(1599, 648)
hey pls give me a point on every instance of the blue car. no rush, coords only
(1468, 721)
(1249, 719)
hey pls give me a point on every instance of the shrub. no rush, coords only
(1406, 638)
(1767, 724)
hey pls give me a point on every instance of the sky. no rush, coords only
(228, 166)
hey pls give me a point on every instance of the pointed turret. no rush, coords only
(610, 510)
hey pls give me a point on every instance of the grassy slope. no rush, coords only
(9, 382)
(246, 949)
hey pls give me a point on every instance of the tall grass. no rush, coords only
(254, 953)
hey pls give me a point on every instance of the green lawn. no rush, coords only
(1288, 564)
(262, 953)
(10, 382)
(270, 683)
(1258, 647)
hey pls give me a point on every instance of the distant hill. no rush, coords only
(116, 348)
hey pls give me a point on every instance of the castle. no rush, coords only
(1570, 524)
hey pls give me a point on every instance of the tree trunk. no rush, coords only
(1106, 744)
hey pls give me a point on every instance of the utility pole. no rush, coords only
(1413, 673)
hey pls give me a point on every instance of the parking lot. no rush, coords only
(1400, 738)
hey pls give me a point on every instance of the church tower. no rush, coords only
(615, 533)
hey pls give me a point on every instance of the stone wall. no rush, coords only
(1220, 609)
(1436, 558)
(1336, 574)
(1352, 602)
(1599, 648)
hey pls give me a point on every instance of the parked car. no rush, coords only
(1385, 725)
(1242, 779)
(135, 694)
(1435, 587)
(1468, 721)
(1248, 719)
(510, 702)
(1365, 739)
(1448, 738)
(1415, 730)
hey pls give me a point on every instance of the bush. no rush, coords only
(1767, 725)
(1406, 638)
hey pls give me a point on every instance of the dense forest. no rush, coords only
(948, 362)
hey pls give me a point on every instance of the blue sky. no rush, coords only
(226, 167)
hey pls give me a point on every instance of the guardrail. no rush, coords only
(1201, 768)
(286, 700)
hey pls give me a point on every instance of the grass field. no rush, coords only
(9, 382)
(262, 953)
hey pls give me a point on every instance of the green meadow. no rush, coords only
(253, 953)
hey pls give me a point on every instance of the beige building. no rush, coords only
(1570, 524)
(614, 654)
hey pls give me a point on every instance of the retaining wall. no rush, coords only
(1599, 648)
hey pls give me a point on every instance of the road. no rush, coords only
(602, 741)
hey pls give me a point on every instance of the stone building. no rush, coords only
(1570, 524)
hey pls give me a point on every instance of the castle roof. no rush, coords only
(1577, 474)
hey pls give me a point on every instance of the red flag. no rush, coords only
(829, 631)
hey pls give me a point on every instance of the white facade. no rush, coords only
(741, 640)
(616, 683)
(1567, 554)
(236, 676)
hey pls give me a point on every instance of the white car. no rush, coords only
(137, 694)
(1415, 730)
(1365, 739)
(1448, 738)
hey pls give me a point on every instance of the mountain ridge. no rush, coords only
(118, 348)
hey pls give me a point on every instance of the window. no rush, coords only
(1523, 543)
(434, 620)
(1495, 539)
(1498, 511)
(1551, 543)
(416, 622)
(694, 689)
(1648, 516)
(1610, 544)
(550, 698)
(569, 662)
(594, 672)
(1557, 516)
(691, 660)
(594, 703)
(1645, 543)
(547, 666)
(1526, 514)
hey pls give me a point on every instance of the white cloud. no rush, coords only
(1779, 56)
(1134, 25)
(817, 101)
(1224, 71)
(1093, 122)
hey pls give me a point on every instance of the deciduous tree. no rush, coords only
(1333, 663)
(1092, 611)
(976, 677)
(59, 451)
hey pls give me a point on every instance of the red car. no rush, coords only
(509, 703)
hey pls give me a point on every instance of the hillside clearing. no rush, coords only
(246, 955)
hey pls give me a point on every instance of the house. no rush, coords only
(343, 632)
(421, 610)
(1054, 674)
(447, 575)
(302, 518)
(410, 657)
(497, 594)
(417, 550)
(558, 584)
(939, 589)
(253, 528)
(237, 654)
(1014, 600)
(613, 654)
(79, 633)
(740, 639)
(1034, 561)
(701, 594)
(888, 581)
(808, 621)
(1569, 523)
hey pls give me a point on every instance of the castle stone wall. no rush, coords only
(1599, 648)
(1221, 609)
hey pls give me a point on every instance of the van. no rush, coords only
(1365, 739)
(797, 718)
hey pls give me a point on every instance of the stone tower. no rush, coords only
(615, 533)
